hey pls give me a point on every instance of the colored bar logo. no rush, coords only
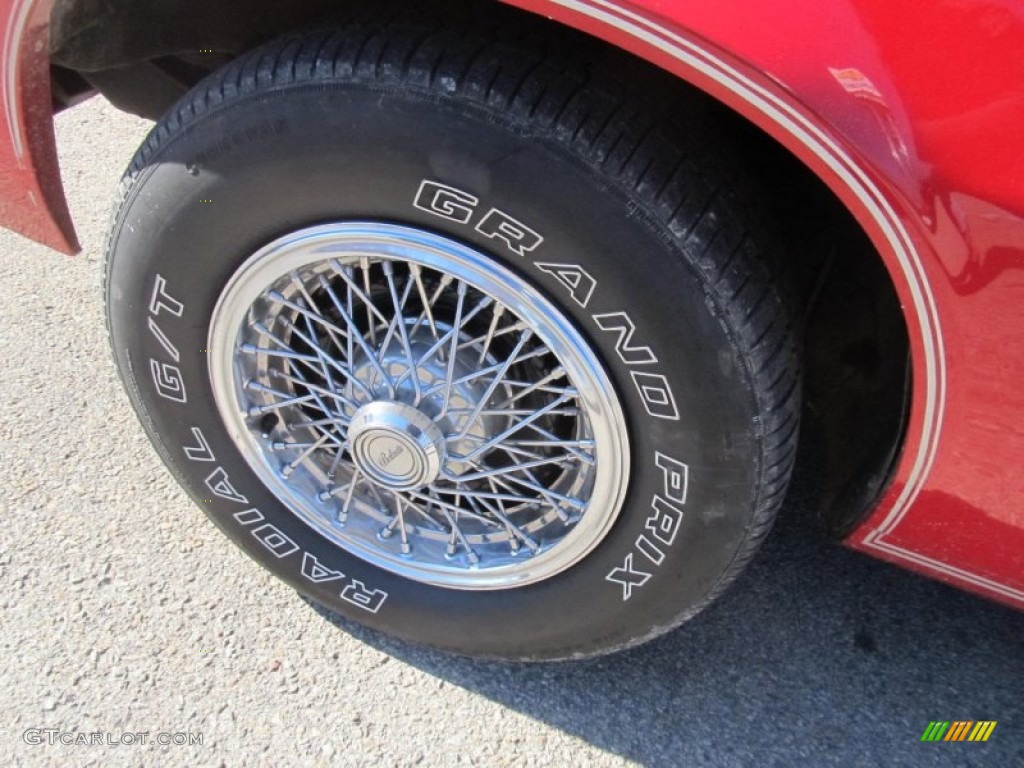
(958, 730)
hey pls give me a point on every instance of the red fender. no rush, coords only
(32, 199)
(909, 112)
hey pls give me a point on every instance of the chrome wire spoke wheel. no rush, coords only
(419, 404)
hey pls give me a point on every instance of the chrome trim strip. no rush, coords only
(950, 570)
(12, 49)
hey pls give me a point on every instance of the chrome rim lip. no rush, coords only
(349, 241)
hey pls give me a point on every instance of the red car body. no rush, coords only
(910, 112)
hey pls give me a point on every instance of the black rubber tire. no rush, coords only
(343, 125)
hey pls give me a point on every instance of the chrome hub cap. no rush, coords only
(419, 405)
(396, 445)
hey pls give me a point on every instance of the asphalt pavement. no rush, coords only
(124, 612)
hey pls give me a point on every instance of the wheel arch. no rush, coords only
(854, 163)
(825, 133)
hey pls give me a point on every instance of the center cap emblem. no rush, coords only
(396, 445)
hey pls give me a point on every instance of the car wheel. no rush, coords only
(456, 341)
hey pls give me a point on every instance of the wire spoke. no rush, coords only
(469, 477)
(287, 398)
(544, 494)
(521, 424)
(432, 499)
(343, 510)
(289, 468)
(537, 488)
(398, 321)
(417, 276)
(399, 522)
(524, 337)
(309, 316)
(357, 337)
(477, 340)
(558, 373)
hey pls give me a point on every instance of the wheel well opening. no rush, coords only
(143, 56)
(856, 349)
(857, 367)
